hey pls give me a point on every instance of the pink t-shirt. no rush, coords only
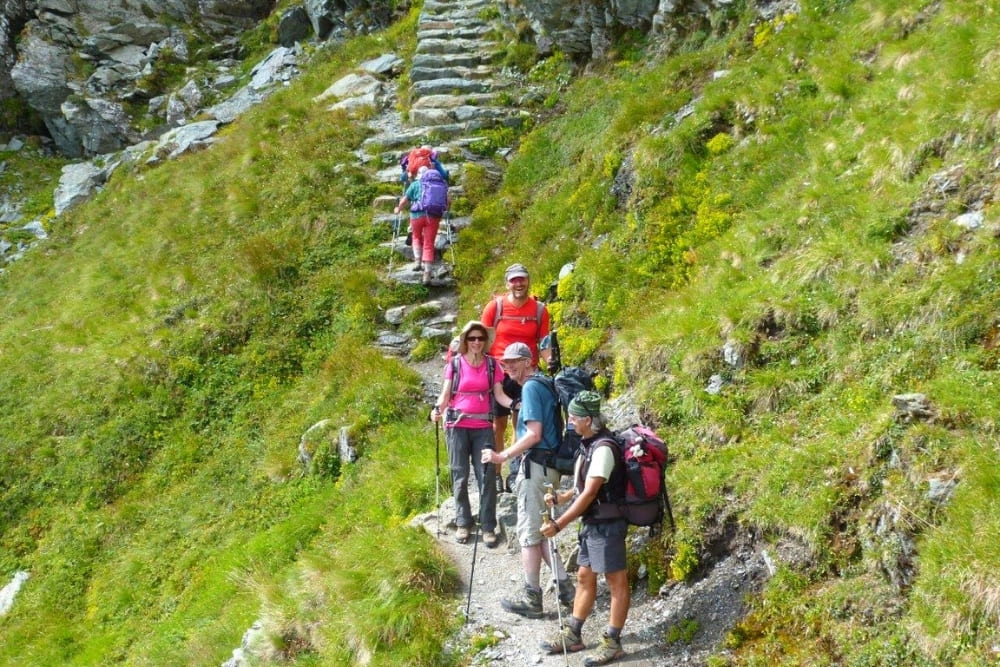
(473, 394)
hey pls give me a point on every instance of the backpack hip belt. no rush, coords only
(453, 416)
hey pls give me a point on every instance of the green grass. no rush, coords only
(167, 348)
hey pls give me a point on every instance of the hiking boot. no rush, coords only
(427, 277)
(490, 538)
(461, 534)
(554, 644)
(607, 650)
(500, 486)
(416, 266)
(567, 592)
(528, 604)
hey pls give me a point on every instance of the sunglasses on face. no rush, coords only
(475, 339)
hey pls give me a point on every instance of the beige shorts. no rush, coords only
(531, 501)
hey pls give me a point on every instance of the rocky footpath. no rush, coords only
(676, 624)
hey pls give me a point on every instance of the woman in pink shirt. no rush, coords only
(471, 389)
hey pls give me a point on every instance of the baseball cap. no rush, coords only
(515, 271)
(516, 351)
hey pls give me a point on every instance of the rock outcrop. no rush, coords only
(586, 29)
(98, 72)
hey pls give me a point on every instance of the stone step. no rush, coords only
(452, 101)
(415, 136)
(472, 11)
(453, 86)
(462, 114)
(451, 30)
(445, 5)
(457, 14)
(457, 46)
(432, 73)
(432, 60)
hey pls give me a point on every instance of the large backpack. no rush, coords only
(567, 383)
(433, 194)
(639, 493)
(417, 157)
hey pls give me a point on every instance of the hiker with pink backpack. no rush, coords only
(428, 199)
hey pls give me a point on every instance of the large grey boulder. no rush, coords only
(294, 26)
(100, 125)
(13, 15)
(183, 139)
(334, 18)
(77, 183)
(41, 78)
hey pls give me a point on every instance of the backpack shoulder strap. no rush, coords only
(549, 384)
(613, 443)
(499, 311)
(540, 308)
(456, 366)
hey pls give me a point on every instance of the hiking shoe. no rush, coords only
(567, 592)
(607, 650)
(416, 266)
(528, 604)
(461, 534)
(554, 644)
(490, 538)
(500, 486)
(427, 277)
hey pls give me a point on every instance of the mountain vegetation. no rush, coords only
(784, 238)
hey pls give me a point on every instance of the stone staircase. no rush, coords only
(457, 91)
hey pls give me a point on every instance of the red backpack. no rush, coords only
(417, 158)
(641, 497)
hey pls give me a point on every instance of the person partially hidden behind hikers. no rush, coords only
(472, 384)
(599, 480)
(515, 317)
(536, 431)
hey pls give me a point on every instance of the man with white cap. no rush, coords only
(536, 431)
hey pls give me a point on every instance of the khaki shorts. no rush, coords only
(531, 501)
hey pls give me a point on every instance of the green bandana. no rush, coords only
(585, 404)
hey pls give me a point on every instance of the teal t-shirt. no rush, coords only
(538, 404)
(413, 194)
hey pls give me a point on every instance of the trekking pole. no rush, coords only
(392, 242)
(451, 238)
(475, 543)
(556, 565)
(437, 472)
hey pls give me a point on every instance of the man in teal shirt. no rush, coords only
(537, 433)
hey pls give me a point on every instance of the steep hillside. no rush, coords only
(783, 234)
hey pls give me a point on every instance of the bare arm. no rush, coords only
(590, 490)
(531, 437)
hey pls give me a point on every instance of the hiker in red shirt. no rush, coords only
(516, 317)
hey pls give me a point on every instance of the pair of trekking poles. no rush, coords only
(397, 223)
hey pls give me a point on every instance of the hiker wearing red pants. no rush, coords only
(428, 198)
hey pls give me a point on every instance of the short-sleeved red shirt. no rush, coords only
(516, 325)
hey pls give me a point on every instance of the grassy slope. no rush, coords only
(178, 334)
